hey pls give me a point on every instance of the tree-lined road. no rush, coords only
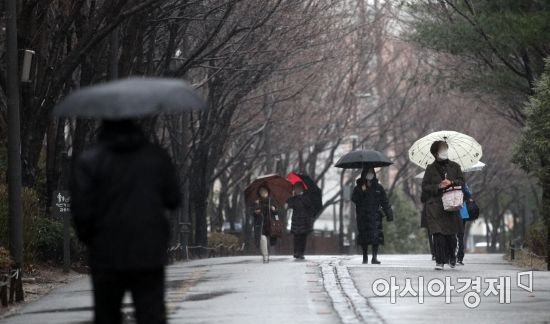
(323, 289)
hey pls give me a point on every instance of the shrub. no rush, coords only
(536, 238)
(42, 237)
(48, 243)
(5, 259)
(215, 239)
(32, 210)
(404, 234)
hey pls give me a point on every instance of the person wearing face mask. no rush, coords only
(370, 200)
(264, 212)
(303, 217)
(444, 225)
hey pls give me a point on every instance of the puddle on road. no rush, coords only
(219, 264)
(67, 310)
(209, 295)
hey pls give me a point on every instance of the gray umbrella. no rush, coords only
(131, 98)
(363, 159)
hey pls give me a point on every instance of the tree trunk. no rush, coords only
(546, 213)
(198, 195)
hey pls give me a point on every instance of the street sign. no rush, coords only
(62, 203)
(62, 209)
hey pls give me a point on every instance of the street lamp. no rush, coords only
(26, 66)
(14, 148)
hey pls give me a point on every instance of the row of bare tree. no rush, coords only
(288, 84)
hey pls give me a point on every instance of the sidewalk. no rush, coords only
(524, 307)
(221, 290)
(320, 290)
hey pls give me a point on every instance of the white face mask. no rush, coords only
(263, 193)
(370, 176)
(443, 155)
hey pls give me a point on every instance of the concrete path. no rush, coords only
(524, 306)
(322, 289)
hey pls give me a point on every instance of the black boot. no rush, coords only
(375, 255)
(365, 254)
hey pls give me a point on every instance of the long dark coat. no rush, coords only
(436, 218)
(121, 189)
(303, 214)
(371, 206)
(262, 221)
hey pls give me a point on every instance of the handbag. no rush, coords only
(276, 228)
(473, 210)
(453, 199)
(275, 225)
(464, 212)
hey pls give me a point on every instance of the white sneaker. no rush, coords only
(439, 266)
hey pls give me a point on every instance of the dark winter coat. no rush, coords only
(436, 218)
(121, 189)
(303, 213)
(268, 211)
(423, 217)
(371, 206)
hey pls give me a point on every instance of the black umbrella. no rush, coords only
(363, 159)
(131, 98)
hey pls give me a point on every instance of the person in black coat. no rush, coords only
(303, 217)
(369, 198)
(121, 188)
(424, 225)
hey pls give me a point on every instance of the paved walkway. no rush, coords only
(524, 307)
(323, 289)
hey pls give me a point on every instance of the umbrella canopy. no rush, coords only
(463, 149)
(311, 187)
(131, 98)
(294, 178)
(280, 189)
(477, 167)
(363, 159)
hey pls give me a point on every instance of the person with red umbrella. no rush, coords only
(306, 205)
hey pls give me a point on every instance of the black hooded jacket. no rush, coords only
(371, 206)
(121, 188)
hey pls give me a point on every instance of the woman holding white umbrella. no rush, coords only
(444, 154)
(444, 225)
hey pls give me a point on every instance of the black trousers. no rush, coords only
(460, 253)
(146, 287)
(365, 248)
(445, 248)
(431, 242)
(300, 241)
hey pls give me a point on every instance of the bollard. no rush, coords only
(512, 251)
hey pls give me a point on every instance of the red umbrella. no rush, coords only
(311, 188)
(279, 189)
(294, 178)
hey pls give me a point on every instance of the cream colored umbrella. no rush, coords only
(477, 167)
(463, 149)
